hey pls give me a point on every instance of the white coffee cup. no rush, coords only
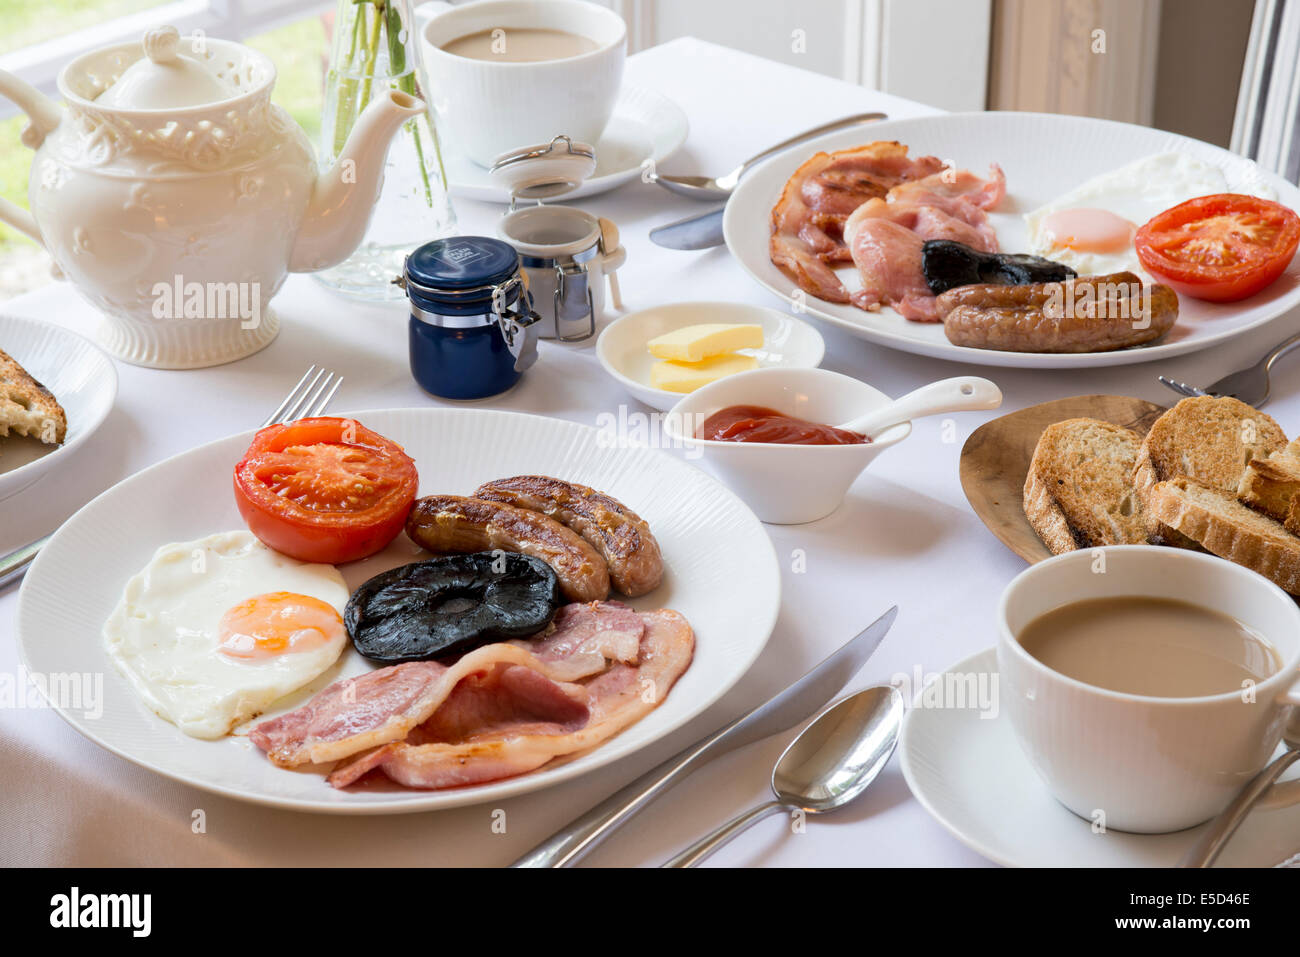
(488, 106)
(1138, 763)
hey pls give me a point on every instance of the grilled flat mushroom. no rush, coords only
(948, 264)
(450, 605)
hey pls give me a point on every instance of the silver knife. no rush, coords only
(14, 565)
(697, 231)
(793, 705)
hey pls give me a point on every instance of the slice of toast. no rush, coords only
(1271, 485)
(1079, 491)
(1209, 439)
(1222, 525)
(27, 407)
(1158, 533)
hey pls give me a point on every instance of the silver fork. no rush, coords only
(311, 396)
(1250, 385)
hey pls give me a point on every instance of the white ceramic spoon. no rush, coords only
(962, 394)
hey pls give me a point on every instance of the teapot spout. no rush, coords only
(44, 115)
(345, 194)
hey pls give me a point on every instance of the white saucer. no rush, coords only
(970, 773)
(645, 126)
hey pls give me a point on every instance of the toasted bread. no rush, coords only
(1222, 525)
(1079, 492)
(1208, 439)
(27, 407)
(1158, 533)
(1272, 485)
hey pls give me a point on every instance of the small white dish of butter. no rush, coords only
(665, 352)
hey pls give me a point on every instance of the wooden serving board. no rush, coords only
(995, 460)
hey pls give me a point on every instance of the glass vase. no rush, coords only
(376, 48)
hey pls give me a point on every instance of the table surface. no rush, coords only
(905, 528)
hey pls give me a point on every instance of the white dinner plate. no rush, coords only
(721, 573)
(80, 376)
(1043, 156)
(788, 342)
(968, 771)
(644, 126)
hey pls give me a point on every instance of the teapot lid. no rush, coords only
(165, 79)
(549, 169)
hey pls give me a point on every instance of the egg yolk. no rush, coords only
(1089, 230)
(278, 623)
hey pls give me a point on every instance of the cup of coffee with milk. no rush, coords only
(1148, 685)
(503, 73)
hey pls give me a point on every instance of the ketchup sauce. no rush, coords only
(754, 423)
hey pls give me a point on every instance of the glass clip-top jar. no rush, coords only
(568, 254)
(473, 331)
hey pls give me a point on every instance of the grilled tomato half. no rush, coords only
(1221, 248)
(325, 489)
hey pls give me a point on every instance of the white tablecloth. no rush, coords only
(905, 536)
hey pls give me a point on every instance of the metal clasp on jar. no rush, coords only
(518, 325)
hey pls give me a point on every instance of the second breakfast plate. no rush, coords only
(721, 573)
(1043, 156)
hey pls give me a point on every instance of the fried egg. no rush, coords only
(1091, 227)
(211, 632)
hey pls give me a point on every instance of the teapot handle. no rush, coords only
(21, 220)
(43, 112)
(44, 115)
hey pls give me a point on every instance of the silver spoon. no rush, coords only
(706, 187)
(827, 766)
(1211, 843)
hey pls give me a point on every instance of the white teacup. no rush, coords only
(491, 106)
(1138, 763)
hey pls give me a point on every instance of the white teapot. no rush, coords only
(176, 197)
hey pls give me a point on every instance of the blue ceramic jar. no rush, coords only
(473, 331)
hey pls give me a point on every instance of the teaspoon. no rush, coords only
(961, 394)
(829, 764)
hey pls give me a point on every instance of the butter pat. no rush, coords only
(695, 343)
(689, 376)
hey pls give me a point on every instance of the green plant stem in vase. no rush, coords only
(376, 49)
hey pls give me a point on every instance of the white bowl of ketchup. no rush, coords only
(783, 470)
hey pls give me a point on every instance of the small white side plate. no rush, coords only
(83, 381)
(969, 772)
(645, 126)
(788, 342)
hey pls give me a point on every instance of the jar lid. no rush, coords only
(549, 169)
(461, 272)
(461, 263)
